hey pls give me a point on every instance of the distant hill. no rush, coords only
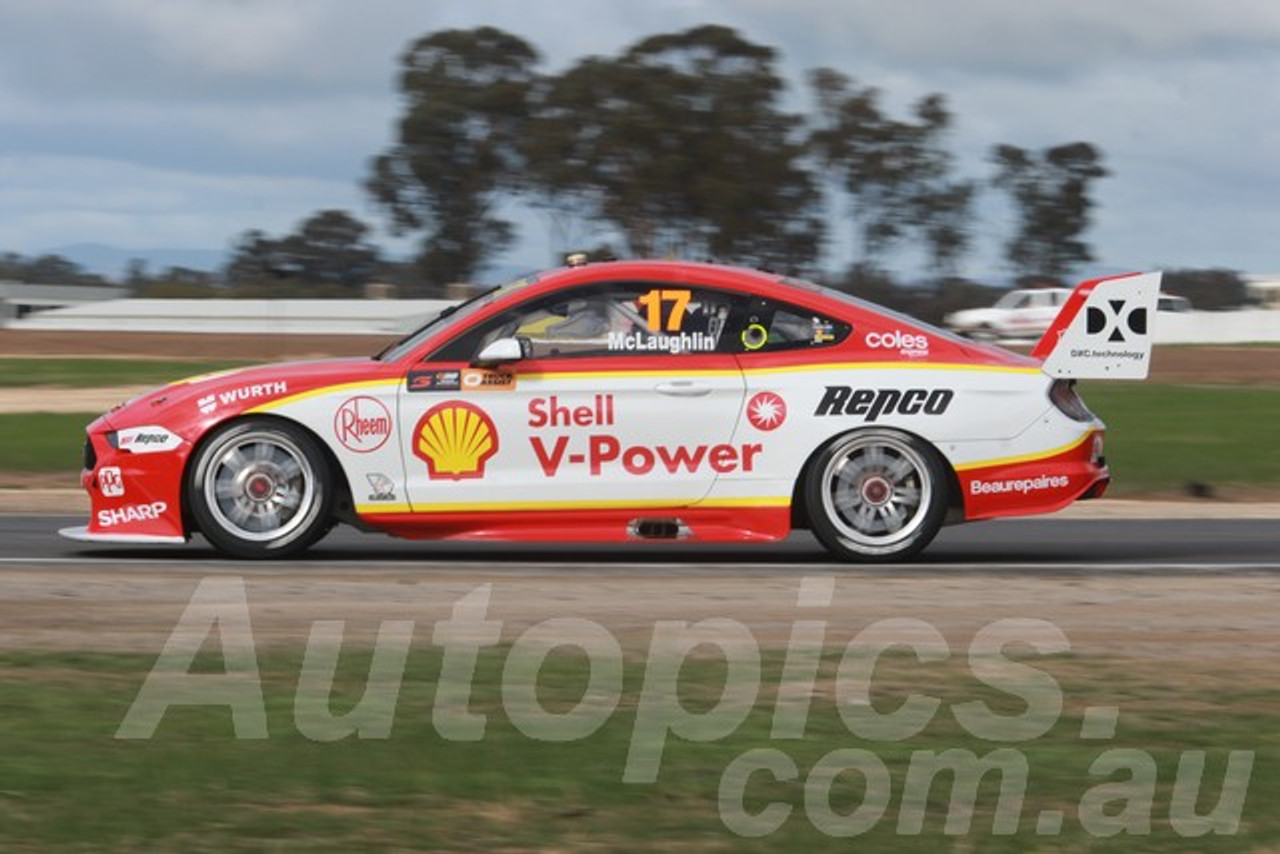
(111, 261)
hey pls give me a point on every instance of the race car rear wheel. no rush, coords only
(260, 489)
(876, 495)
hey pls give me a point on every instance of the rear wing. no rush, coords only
(1103, 331)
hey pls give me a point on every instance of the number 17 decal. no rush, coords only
(653, 302)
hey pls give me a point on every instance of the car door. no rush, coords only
(624, 396)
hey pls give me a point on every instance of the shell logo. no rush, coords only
(455, 440)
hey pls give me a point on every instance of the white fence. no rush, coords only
(390, 317)
(285, 316)
(1217, 327)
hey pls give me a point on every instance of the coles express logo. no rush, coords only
(903, 342)
(362, 424)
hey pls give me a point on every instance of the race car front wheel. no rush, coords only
(876, 495)
(260, 489)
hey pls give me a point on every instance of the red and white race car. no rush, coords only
(629, 401)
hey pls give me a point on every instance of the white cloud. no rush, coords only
(50, 201)
(192, 120)
(1012, 36)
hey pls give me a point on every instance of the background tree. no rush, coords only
(1050, 192)
(1210, 290)
(327, 256)
(178, 282)
(46, 270)
(679, 146)
(896, 173)
(330, 247)
(466, 103)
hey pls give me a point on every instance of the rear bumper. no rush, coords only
(1039, 484)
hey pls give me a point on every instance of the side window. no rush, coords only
(610, 319)
(770, 326)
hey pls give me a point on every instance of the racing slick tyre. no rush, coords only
(876, 495)
(260, 489)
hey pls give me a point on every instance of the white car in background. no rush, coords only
(1017, 314)
(1027, 313)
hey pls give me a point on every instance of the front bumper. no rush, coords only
(135, 492)
(83, 534)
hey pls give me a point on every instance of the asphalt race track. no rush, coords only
(1153, 590)
(1028, 547)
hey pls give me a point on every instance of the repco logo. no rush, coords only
(872, 403)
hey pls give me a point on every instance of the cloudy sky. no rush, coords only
(155, 124)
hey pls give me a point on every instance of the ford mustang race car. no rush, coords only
(628, 401)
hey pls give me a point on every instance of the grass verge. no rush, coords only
(71, 785)
(1161, 437)
(103, 373)
(43, 442)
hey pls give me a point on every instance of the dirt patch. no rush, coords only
(1242, 365)
(48, 399)
(1219, 618)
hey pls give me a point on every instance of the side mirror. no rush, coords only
(500, 352)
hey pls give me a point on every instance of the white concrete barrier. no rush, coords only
(1217, 327)
(260, 316)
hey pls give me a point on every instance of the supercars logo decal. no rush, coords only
(1108, 324)
(450, 380)
(766, 411)
(455, 440)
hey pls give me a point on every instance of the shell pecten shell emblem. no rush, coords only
(455, 439)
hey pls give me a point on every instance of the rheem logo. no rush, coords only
(362, 424)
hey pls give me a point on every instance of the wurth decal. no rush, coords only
(210, 403)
